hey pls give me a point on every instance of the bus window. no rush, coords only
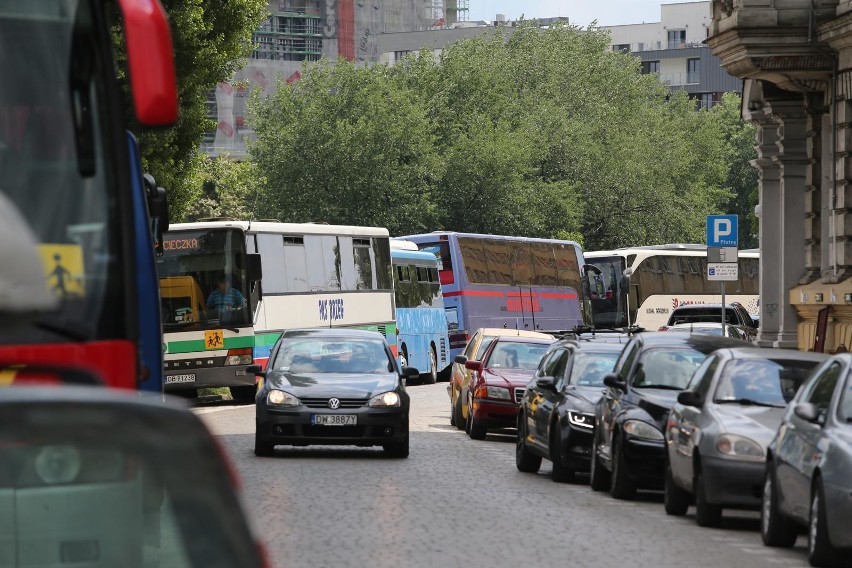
(473, 258)
(568, 268)
(363, 265)
(452, 318)
(402, 274)
(382, 258)
(522, 269)
(498, 259)
(422, 274)
(544, 265)
(445, 264)
(433, 275)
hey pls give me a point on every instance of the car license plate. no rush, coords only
(334, 419)
(180, 378)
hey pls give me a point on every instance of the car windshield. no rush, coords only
(333, 355)
(770, 382)
(667, 368)
(589, 369)
(516, 355)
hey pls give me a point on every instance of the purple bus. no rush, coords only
(506, 282)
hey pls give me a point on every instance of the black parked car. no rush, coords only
(809, 470)
(332, 386)
(556, 418)
(629, 448)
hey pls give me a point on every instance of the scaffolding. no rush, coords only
(457, 11)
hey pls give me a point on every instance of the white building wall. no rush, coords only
(693, 17)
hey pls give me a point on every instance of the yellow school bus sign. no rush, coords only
(63, 269)
(214, 339)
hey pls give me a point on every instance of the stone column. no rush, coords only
(769, 229)
(792, 159)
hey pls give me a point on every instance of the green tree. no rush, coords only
(211, 38)
(224, 188)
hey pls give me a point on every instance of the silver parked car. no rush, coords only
(718, 431)
(809, 468)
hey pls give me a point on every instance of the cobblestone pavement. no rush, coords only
(460, 502)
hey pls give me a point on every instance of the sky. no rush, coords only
(580, 12)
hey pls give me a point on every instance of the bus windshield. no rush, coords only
(608, 306)
(203, 280)
(58, 187)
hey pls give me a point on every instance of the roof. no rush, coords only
(592, 346)
(700, 342)
(424, 257)
(401, 244)
(287, 228)
(523, 339)
(769, 353)
(340, 332)
(500, 331)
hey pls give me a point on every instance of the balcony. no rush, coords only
(680, 79)
(772, 40)
(658, 44)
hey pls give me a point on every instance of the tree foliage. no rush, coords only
(224, 188)
(539, 133)
(211, 38)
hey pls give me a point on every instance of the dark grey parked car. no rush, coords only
(809, 469)
(719, 429)
(332, 386)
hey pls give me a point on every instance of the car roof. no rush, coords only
(337, 332)
(703, 306)
(591, 346)
(701, 342)
(770, 353)
(522, 339)
(500, 331)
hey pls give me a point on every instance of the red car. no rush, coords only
(499, 382)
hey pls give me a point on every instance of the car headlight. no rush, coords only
(499, 393)
(389, 398)
(640, 429)
(739, 447)
(581, 420)
(281, 398)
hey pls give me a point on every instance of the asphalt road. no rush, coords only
(459, 502)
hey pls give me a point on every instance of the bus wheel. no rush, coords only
(431, 377)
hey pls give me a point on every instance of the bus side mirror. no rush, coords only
(255, 268)
(158, 209)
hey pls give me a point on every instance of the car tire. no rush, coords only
(431, 377)
(458, 418)
(525, 460)
(263, 448)
(775, 529)
(598, 475)
(820, 551)
(398, 449)
(244, 394)
(560, 473)
(706, 514)
(675, 500)
(475, 429)
(620, 485)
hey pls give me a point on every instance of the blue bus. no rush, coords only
(506, 282)
(422, 333)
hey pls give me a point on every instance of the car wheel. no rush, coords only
(620, 485)
(820, 550)
(598, 476)
(263, 448)
(706, 514)
(458, 417)
(560, 474)
(397, 449)
(524, 459)
(244, 394)
(675, 499)
(475, 429)
(775, 528)
(431, 377)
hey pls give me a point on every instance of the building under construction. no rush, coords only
(307, 30)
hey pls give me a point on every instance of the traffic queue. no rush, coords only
(712, 422)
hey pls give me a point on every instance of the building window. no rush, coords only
(649, 67)
(706, 100)
(400, 55)
(621, 47)
(693, 70)
(677, 39)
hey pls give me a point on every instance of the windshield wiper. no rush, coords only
(73, 333)
(662, 387)
(749, 402)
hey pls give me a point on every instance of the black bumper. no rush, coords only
(646, 461)
(211, 377)
(733, 482)
(576, 449)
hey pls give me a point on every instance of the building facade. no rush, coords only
(795, 57)
(674, 48)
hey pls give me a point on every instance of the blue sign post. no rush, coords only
(722, 231)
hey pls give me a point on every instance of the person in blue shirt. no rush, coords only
(225, 297)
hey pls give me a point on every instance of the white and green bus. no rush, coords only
(294, 275)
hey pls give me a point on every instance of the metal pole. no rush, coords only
(723, 308)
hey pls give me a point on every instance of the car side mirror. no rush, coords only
(807, 411)
(473, 365)
(614, 381)
(460, 359)
(546, 383)
(689, 398)
(255, 370)
(410, 372)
